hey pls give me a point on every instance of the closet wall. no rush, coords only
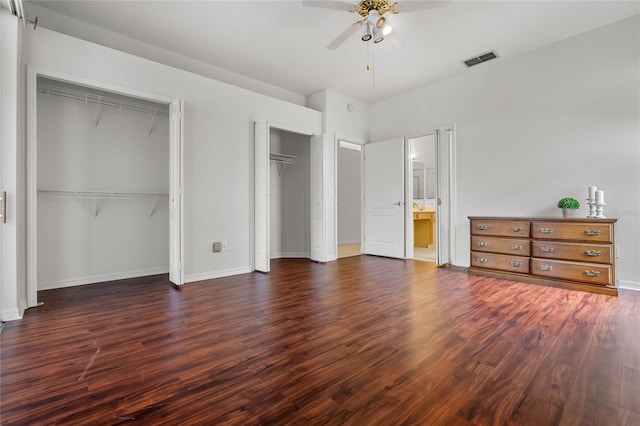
(289, 208)
(84, 147)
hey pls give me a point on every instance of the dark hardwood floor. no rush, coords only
(360, 341)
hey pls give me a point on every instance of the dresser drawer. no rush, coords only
(584, 252)
(511, 246)
(592, 273)
(598, 232)
(504, 228)
(500, 261)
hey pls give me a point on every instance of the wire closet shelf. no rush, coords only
(87, 96)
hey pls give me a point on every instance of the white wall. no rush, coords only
(117, 155)
(349, 196)
(218, 149)
(538, 127)
(290, 207)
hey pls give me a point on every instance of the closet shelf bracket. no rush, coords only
(99, 111)
(153, 119)
(282, 161)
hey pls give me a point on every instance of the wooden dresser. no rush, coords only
(570, 253)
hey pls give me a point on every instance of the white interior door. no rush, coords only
(176, 231)
(384, 198)
(261, 193)
(443, 143)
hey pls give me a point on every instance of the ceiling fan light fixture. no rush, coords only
(386, 30)
(367, 33)
(375, 19)
(378, 35)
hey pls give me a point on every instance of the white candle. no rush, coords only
(592, 192)
(599, 196)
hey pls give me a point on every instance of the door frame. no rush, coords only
(317, 193)
(176, 144)
(452, 190)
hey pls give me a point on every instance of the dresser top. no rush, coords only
(546, 219)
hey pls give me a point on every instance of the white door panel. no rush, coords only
(261, 190)
(384, 198)
(176, 234)
(443, 143)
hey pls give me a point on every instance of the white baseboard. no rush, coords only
(629, 285)
(291, 255)
(12, 314)
(70, 282)
(217, 274)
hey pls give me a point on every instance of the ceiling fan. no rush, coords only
(374, 15)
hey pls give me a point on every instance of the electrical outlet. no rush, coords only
(617, 252)
(217, 247)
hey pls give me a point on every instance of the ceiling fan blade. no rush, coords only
(337, 5)
(411, 6)
(344, 36)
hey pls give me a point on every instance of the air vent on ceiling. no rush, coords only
(480, 59)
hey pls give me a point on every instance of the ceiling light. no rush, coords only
(378, 35)
(367, 32)
(375, 19)
(386, 29)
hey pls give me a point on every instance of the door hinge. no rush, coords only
(178, 115)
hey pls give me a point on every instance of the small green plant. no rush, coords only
(568, 203)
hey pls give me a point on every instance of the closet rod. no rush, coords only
(67, 92)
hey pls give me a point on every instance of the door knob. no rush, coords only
(399, 203)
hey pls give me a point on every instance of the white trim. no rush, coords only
(93, 279)
(295, 255)
(349, 145)
(32, 148)
(12, 314)
(629, 285)
(218, 274)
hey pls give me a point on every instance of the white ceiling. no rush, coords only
(282, 43)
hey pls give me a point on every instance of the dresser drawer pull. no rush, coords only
(482, 243)
(516, 247)
(546, 230)
(516, 264)
(481, 259)
(547, 249)
(592, 273)
(482, 227)
(546, 267)
(593, 253)
(593, 232)
(516, 229)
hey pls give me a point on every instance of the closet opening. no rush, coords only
(349, 199)
(104, 184)
(289, 195)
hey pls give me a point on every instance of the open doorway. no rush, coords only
(431, 186)
(349, 199)
(289, 195)
(423, 189)
(104, 183)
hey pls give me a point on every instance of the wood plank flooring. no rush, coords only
(360, 341)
